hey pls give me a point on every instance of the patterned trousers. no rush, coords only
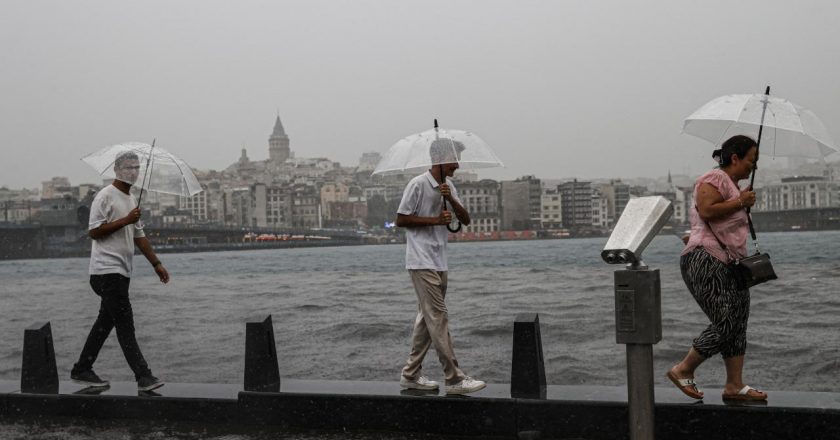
(714, 287)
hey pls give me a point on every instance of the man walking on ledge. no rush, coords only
(422, 213)
(115, 229)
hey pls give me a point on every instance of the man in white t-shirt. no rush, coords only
(116, 229)
(422, 213)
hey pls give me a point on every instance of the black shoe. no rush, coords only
(93, 391)
(148, 394)
(88, 378)
(148, 383)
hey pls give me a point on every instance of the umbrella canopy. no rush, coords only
(159, 170)
(789, 130)
(420, 151)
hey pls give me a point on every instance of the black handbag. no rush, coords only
(752, 270)
(755, 269)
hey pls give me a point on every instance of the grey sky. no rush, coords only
(558, 88)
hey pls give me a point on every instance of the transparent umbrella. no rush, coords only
(791, 130)
(414, 153)
(159, 170)
(437, 146)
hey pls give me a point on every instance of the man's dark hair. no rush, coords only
(739, 145)
(128, 155)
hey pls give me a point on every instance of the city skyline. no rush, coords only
(558, 89)
(290, 153)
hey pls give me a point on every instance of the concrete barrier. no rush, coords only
(262, 372)
(38, 372)
(527, 373)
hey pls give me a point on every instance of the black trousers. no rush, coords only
(114, 312)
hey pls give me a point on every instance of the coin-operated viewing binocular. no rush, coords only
(641, 220)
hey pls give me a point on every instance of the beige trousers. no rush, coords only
(431, 326)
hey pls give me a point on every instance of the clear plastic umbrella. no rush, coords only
(790, 130)
(438, 146)
(159, 170)
(414, 153)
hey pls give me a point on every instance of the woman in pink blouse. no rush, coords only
(719, 216)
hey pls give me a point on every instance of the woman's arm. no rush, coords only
(712, 206)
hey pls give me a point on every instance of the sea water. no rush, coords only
(346, 313)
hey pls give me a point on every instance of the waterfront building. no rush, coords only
(481, 200)
(617, 195)
(57, 187)
(798, 192)
(387, 192)
(679, 198)
(59, 211)
(272, 206)
(306, 206)
(332, 193)
(600, 210)
(17, 211)
(196, 205)
(521, 203)
(368, 162)
(551, 214)
(576, 204)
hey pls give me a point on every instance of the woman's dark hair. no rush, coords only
(739, 145)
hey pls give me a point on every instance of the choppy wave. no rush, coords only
(347, 313)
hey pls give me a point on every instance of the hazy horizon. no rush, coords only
(558, 89)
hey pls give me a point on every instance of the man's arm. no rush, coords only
(145, 247)
(106, 229)
(414, 221)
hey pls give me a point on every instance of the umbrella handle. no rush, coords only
(442, 180)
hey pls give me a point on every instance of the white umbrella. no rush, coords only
(437, 146)
(791, 130)
(414, 153)
(161, 170)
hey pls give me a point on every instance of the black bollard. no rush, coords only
(527, 374)
(38, 373)
(261, 370)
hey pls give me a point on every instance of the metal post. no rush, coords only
(640, 391)
(639, 326)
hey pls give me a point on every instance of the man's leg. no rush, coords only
(119, 307)
(101, 327)
(420, 343)
(430, 287)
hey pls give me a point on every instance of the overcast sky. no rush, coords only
(558, 88)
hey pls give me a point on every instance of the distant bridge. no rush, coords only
(50, 241)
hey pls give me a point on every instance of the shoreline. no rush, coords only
(590, 412)
(83, 251)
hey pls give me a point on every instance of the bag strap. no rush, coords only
(723, 246)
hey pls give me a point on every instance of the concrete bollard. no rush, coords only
(38, 372)
(527, 374)
(261, 370)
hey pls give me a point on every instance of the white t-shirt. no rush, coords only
(114, 253)
(425, 245)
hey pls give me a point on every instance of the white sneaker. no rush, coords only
(421, 383)
(466, 386)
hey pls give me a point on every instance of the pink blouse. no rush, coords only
(732, 230)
